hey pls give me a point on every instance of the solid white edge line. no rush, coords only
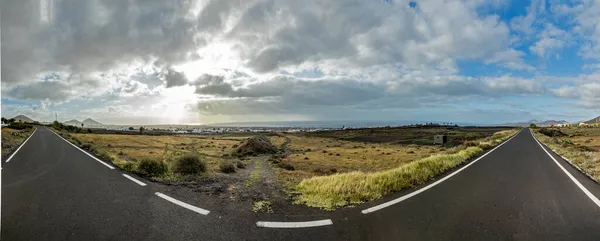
(587, 192)
(22, 144)
(412, 194)
(185, 205)
(134, 180)
(103, 163)
(307, 224)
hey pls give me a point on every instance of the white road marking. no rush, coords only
(587, 192)
(412, 194)
(103, 163)
(185, 205)
(22, 144)
(308, 224)
(134, 180)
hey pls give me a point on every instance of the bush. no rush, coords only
(470, 144)
(128, 166)
(152, 168)
(552, 132)
(86, 146)
(472, 136)
(286, 166)
(190, 164)
(20, 126)
(240, 165)
(274, 159)
(227, 167)
(104, 156)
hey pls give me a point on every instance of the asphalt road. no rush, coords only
(53, 191)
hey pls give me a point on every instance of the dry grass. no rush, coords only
(338, 190)
(277, 140)
(133, 148)
(581, 147)
(314, 154)
(11, 139)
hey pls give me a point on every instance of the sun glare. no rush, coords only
(174, 102)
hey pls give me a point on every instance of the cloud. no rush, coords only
(511, 59)
(297, 58)
(93, 35)
(550, 39)
(174, 78)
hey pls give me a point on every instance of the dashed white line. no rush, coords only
(134, 180)
(412, 194)
(22, 144)
(308, 224)
(587, 192)
(103, 163)
(185, 205)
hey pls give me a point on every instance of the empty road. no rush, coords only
(53, 191)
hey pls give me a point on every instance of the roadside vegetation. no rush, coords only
(338, 190)
(13, 135)
(180, 155)
(581, 145)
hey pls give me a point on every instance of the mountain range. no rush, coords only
(22, 118)
(593, 121)
(552, 122)
(87, 122)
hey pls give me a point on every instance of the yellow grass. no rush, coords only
(588, 159)
(11, 141)
(277, 140)
(322, 153)
(127, 148)
(338, 190)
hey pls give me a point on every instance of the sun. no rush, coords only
(173, 104)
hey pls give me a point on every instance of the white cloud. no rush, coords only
(551, 39)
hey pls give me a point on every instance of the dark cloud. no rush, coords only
(94, 35)
(174, 78)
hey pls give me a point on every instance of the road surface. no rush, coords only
(54, 191)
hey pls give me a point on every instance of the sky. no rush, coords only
(202, 62)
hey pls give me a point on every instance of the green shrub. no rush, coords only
(127, 166)
(152, 168)
(470, 144)
(286, 166)
(190, 164)
(86, 146)
(20, 126)
(240, 165)
(105, 156)
(472, 136)
(227, 167)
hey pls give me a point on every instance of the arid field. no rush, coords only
(284, 165)
(12, 138)
(580, 144)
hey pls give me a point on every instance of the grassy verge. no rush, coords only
(330, 192)
(579, 149)
(12, 139)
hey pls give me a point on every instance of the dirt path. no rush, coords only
(262, 180)
(284, 146)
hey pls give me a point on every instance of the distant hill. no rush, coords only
(593, 121)
(538, 123)
(22, 118)
(73, 123)
(90, 122)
